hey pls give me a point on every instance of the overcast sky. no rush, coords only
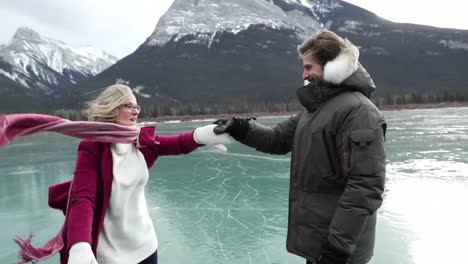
(117, 26)
(120, 26)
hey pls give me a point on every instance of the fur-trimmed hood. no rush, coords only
(340, 68)
(346, 70)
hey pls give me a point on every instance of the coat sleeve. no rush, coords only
(363, 156)
(175, 144)
(83, 194)
(58, 196)
(272, 140)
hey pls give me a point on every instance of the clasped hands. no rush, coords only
(220, 132)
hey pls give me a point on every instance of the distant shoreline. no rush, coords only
(278, 114)
(423, 106)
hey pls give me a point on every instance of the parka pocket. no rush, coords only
(367, 155)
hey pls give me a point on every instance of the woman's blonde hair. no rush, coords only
(105, 107)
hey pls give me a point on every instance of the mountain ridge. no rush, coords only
(195, 60)
(38, 62)
(219, 64)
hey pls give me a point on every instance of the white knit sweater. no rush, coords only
(128, 235)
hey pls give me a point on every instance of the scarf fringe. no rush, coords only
(29, 253)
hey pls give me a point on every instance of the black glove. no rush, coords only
(330, 255)
(236, 127)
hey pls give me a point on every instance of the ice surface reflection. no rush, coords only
(212, 207)
(432, 214)
(238, 203)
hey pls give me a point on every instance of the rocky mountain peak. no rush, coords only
(206, 17)
(27, 34)
(40, 62)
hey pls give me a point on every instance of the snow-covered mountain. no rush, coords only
(240, 53)
(39, 62)
(207, 17)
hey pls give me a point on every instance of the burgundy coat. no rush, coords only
(92, 183)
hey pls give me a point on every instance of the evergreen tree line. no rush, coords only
(244, 108)
(174, 110)
(422, 98)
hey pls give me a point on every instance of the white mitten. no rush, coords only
(205, 135)
(81, 253)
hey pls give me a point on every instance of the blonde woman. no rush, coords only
(107, 217)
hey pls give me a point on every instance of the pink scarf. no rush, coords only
(18, 125)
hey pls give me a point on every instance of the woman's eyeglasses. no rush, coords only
(130, 107)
